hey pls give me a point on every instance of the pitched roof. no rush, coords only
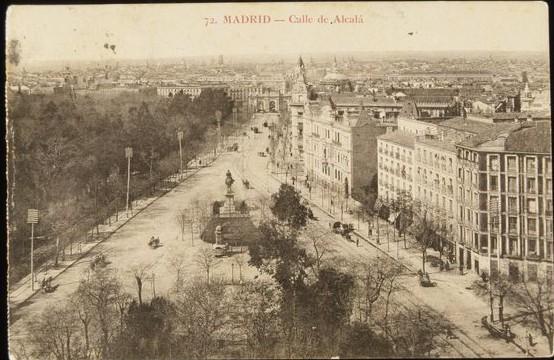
(399, 137)
(534, 137)
(490, 134)
(352, 100)
(466, 125)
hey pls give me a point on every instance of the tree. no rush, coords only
(148, 331)
(320, 245)
(534, 301)
(101, 291)
(54, 334)
(360, 341)
(256, 314)
(140, 273)
(202, 315)
(288, 208)
(207, 261)
(424, 229)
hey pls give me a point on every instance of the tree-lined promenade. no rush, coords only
(67, 159)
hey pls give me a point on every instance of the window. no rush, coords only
(512, 204)
(548, 206)
(512, 163)
(493, 163)
(548, 170)
(532, 206)
(512, 184)
(531, 185)
(549, 186)
(531, 226)
(493, 182)
(512, 224)
(531, 167)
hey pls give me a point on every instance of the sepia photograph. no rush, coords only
(279, 180)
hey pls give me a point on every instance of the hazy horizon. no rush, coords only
(176, 31)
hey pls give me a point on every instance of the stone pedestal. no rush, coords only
(228, 209)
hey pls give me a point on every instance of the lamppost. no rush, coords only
(180, 137)
(128, 155)
(32, 218)
(218, 115)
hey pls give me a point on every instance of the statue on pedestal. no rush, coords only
(229, 181)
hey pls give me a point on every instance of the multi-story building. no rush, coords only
(340, 151)
(490, 184)
(395, 163)
(505, 200)
(435, 182)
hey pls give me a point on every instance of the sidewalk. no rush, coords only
(22, 290)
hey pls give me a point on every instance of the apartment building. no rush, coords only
(395, 164)
(435, 181)
(505, 200)
(340, 151)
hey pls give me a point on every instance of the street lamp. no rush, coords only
(180, 137)
(128, 155)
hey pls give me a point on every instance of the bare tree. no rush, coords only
(182, 219)
(207, 261)
(140, 273)
(101, 290)
(320, 245)
(178, 264)
(202, 317)
(535, 300)
(240, 260)
(425, 228)
(371, 281)
(256, 315)
(54, 334)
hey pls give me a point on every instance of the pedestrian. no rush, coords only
(357, 241)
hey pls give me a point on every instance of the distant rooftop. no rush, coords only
(400, 138)
(493, 132)
(445, 144)
(535, 137)
(466, 125)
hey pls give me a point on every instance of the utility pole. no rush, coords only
(218, 115)
(180, 137)
(32, 218)
(128, 155)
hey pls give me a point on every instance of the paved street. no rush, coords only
(449, 298)
(127, 249)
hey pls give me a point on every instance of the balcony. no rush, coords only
(316, 135)
(337, 143)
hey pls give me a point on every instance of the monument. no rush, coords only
(228, 208)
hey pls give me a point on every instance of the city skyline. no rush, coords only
(80, 33)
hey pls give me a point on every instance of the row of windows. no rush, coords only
(512, 164)
(438, 160)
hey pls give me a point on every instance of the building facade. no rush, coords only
(505, 197)
(340, 152)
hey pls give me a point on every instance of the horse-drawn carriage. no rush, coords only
(98, 261)
(47, 286)
(343, 229)
(154, 243)
(425, 280)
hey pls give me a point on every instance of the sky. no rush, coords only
(79, 32)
